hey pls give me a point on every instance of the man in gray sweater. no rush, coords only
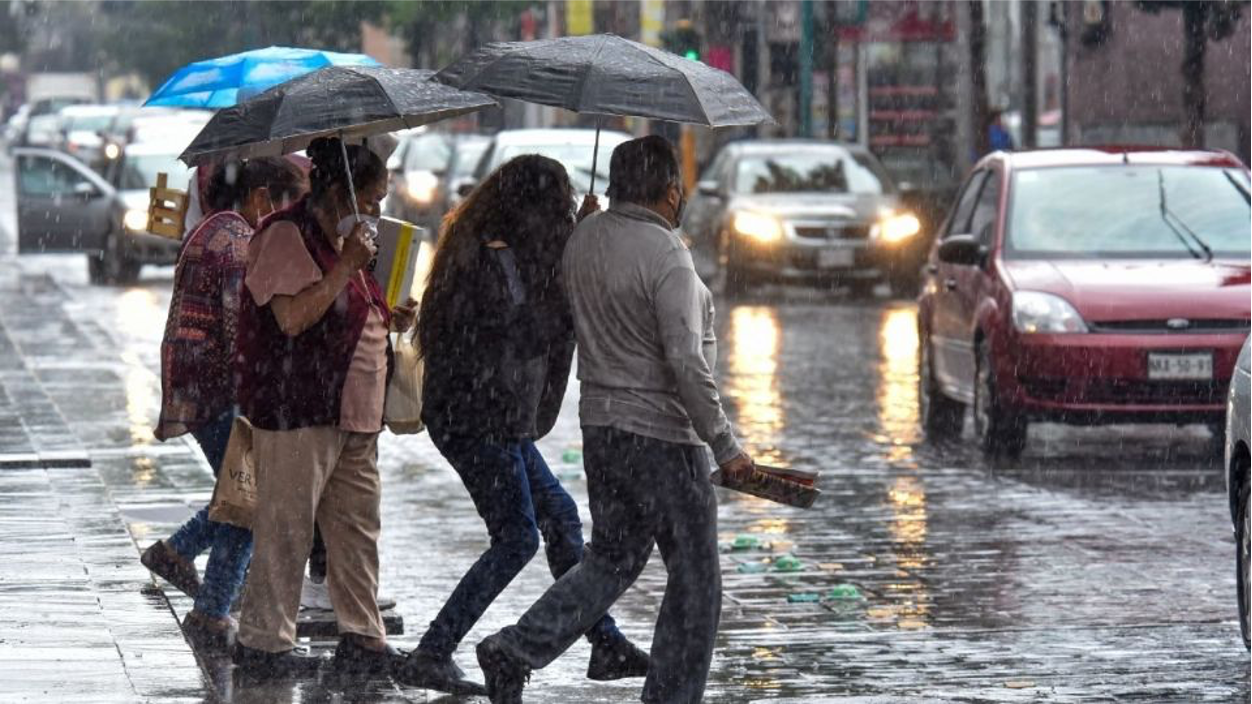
(649, 406)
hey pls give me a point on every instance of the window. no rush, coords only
(959, 224)
(42, 177)
(810, 172)
(982, 222)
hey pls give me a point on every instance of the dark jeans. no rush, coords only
(231, 546)
(642, 491)
(519, 499)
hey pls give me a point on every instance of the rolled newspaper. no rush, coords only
(793, 487)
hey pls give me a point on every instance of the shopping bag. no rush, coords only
(402, 411)
(234, 495)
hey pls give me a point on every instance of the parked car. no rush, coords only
(574, 148)
(1086, 286)
(801, 211)
(1238, 461)
(64, 206)
(82, 130)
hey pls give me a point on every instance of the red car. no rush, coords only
(1086, 286)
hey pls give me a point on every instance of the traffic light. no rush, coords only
(683, 40)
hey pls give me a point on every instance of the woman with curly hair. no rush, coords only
(498, 341)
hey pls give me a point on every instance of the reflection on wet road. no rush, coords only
(1099, 567)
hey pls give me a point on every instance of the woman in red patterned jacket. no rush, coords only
(197, 381)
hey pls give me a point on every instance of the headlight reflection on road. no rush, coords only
(752, 381)
(897, 386)
(138, 311)
(910, 605)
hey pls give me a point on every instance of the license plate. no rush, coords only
(834, 258)
(1180, 366)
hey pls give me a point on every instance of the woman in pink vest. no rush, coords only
(313, 362)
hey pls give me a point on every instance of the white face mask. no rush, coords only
(344, 228)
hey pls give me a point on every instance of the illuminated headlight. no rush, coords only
(896, 227)
(112, 151)
(1035, 312)
(421, 186)
(136, 220)
(764, 228)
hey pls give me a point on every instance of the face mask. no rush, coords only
(344, 228)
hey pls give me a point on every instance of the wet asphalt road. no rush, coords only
(1099, 567)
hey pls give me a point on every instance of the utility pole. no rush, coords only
(1030, 76)
(806, 68)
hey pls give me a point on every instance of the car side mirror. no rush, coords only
(708, 188)
(964, 250)
(84, 189)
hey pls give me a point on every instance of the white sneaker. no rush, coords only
(315, 595)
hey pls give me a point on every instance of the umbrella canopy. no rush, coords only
(340, 101)
(603, 74)
(225, 81)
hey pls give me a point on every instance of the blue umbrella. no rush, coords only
(229, 80)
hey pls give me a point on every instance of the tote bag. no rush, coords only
(234, 495)
(402, 411)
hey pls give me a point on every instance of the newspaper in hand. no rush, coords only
(397, 265)
(793, 487)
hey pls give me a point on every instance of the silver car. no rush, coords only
(1237, 463)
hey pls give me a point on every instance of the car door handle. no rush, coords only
(949, 284)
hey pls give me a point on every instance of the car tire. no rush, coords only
(1243, 533)
(1000, 432)
(942, 417)
(111, 266)
(736, 279)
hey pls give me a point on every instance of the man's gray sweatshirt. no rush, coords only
(644, 323)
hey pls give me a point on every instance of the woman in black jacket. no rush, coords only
(497, 338)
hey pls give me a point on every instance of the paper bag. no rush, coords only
(234, 495)
(402, 411)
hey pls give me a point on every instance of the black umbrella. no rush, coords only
(603, 74)
(342, 101)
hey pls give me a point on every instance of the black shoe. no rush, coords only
(209, 634)
(422, 669)
(352, 658)
(163, 561)
(615, 660)
(261, 664)
(505, 677)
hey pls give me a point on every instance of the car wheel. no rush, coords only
(111, 265)
(1243, 557)
(736, 279)
(1000, 432)
(942, 417)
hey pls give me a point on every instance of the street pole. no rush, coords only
(1030, 76)
(806, 68)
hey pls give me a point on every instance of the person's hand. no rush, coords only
(739, 467)
(590, 205)
(358, 247)
(403, 315)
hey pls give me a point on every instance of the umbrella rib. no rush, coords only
(578, 92)
(686, 81)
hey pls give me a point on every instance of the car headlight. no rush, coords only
(896, 227)
(136, 220)
(758, 226)
(421, 186)
(112, 151)
(1036, 312)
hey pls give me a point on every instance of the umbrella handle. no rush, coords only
(343, 148)
(595, 155)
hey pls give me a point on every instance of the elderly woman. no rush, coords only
(197, 383)
(313, 366)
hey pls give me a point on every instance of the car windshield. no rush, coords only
(88, 123)
(810, 172)
(428, 152)
(1128, 212)
(140, 171)
(468, 153)
(576, 158)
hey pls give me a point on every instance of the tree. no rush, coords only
(1203, 20)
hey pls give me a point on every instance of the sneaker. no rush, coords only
(163, 561)
(352, 658)
(429, 671)
(208, 634)
(262, 664)
(505, 677)
(316, 596)
(615, 660)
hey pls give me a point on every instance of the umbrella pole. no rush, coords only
(343, 149)
(595, 155)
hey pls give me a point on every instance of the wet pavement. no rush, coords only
(1099, 567)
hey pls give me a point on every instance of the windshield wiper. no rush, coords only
(1242, 188)
(1166, 214)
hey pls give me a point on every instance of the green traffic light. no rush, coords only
(692, 54)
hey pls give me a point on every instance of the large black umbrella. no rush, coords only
(342, 101)
(603, 74)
